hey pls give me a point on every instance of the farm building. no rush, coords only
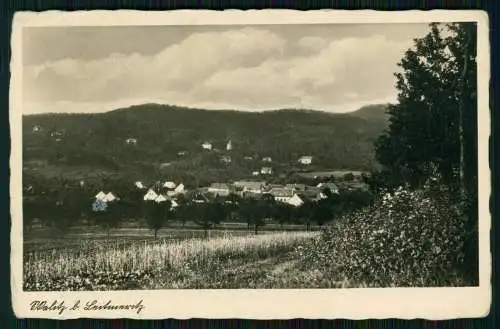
(100, 196)
(225, 159)
(266, 171)
(206, 146)
(267, 159)
(139, 185)
(330, 186)
(110, 197)
(150, 195)
(131, 141)
(179, 189)
(169, 185)
(219, 189)
(305, 160)
(256, 187)
(160, 198)
(255, 173)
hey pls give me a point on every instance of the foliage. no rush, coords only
(407, 238)
(157, 214)
(423, 137)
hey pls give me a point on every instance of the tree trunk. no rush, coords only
(308, 225)
(256, 229)
(156, 233)
(205, 232)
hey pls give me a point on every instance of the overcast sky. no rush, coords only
(333, 68)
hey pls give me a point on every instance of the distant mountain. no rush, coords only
(372, 112)
(156, 139)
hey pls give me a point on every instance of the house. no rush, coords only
(255, 187)
(295, 201)
(150, 195)
(255, 173)
(266, 170)
(199, 198)
(174, 205)
(181, 153)
(305, 160)
(267, 159)
(179, 189)
(82, 183)
(281, 194)
(248, 158)
(330, 186)
(165, 164)
(169, 185)
(206, 146)
(37, 128)
(229, 146)
(225, 159)
(110, 197)
(139, 185)
(100, 196)
(56, 134)
(219, 189)
(160, 198)
(131, 141)
(296, 187)
(99, 206)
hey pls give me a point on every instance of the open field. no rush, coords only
(227, 261)
(45, 239)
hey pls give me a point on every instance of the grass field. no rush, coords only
(228, 260)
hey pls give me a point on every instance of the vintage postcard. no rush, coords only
(269, 164)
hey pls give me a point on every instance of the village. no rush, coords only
(293, 194)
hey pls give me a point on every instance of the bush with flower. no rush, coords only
(407, 238)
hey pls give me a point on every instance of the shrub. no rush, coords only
(407, 238)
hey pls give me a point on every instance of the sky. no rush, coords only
(334, 67)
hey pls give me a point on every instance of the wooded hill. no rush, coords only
(86, 145)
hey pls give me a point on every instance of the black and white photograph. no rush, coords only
(300, 155)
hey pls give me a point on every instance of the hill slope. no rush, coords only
(87, 144)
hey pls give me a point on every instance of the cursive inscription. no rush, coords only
(93, 305)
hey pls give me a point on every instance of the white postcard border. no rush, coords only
(361, 303)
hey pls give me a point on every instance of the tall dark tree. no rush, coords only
(432, 128)
(157, 215)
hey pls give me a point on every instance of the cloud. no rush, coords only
(247, 68)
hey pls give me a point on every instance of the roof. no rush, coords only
(249, 184)
(329, 185)
(296, 186)
(281, 192)
(221, 186)
(305, 157)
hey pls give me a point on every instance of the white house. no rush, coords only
(305, 160)
(248, 158)
(181, 153)
(100, 196)
(37, 128)
(110, 197)
(139, 185)
(150, 195)
(160, 198)
(174, 204)
(255, 187)
(169, 185)
(179, 189)
(229, 146)
(295, 201)
(255, 173)
(266, 170)
(220, 189)
(267, 159)
(206, 145)
(131, 141)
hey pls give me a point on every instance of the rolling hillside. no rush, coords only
(168, 141)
